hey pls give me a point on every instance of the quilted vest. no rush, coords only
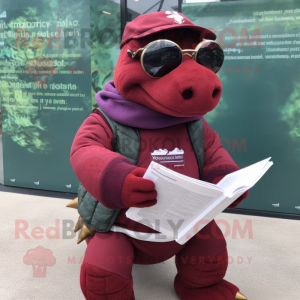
(126, 141)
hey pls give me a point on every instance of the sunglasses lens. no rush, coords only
(210, 55)
(161, 58)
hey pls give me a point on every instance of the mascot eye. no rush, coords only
(211, 56)
(161, 58)
(169, 56)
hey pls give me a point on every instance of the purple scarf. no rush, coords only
(133, 114)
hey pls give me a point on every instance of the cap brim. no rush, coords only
(208, 33)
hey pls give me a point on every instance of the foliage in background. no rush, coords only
(290, 113)
(105, 41)
(21, 124)
(286, 100)
(27, 127)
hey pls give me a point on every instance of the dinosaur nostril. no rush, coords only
(216, 93)
(187, 94)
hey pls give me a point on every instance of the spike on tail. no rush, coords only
(78, 225)
(73, 203)
(85, 233)
(240, 296)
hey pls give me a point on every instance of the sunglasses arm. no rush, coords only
(133, 54)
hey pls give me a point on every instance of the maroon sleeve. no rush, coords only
(100, 170)
(217, 161)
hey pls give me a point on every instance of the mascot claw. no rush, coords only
(78, 225)
(73, 203)
(85, 232)
(240, 296)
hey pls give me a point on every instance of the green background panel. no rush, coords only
(262, 108)
(257, 117)
(105, 42)
(37, 142)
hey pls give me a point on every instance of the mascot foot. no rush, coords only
(99, 284)
(239, 296)
(223, 290)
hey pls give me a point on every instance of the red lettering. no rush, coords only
(81, 260)
(228, 143)
(55, 229)
(236, 69)
(36, 41)
(35, 231)
(239, 260)
(84, 70)
(242, 232)
(71, 261)
(184, 260)
(101, 70)
(249, 259)
(197, 231)
(56, 38)
(257, 70)
(221, 38)
(21, 39)
(22, 230)
(250, 41)
(227, 228)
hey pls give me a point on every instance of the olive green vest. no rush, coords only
(126, 141)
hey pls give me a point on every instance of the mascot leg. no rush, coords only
(106, 269)
(97, 283)
(201, 267)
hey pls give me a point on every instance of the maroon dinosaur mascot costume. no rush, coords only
(157, 93)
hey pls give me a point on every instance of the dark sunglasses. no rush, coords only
(160, 57)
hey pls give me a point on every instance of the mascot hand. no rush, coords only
(137, 191)
(238, 200)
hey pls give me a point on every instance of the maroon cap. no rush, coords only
(148, 24)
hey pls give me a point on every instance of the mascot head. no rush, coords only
(169, 64)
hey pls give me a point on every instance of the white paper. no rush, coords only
(178, 200)
(184, 202)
